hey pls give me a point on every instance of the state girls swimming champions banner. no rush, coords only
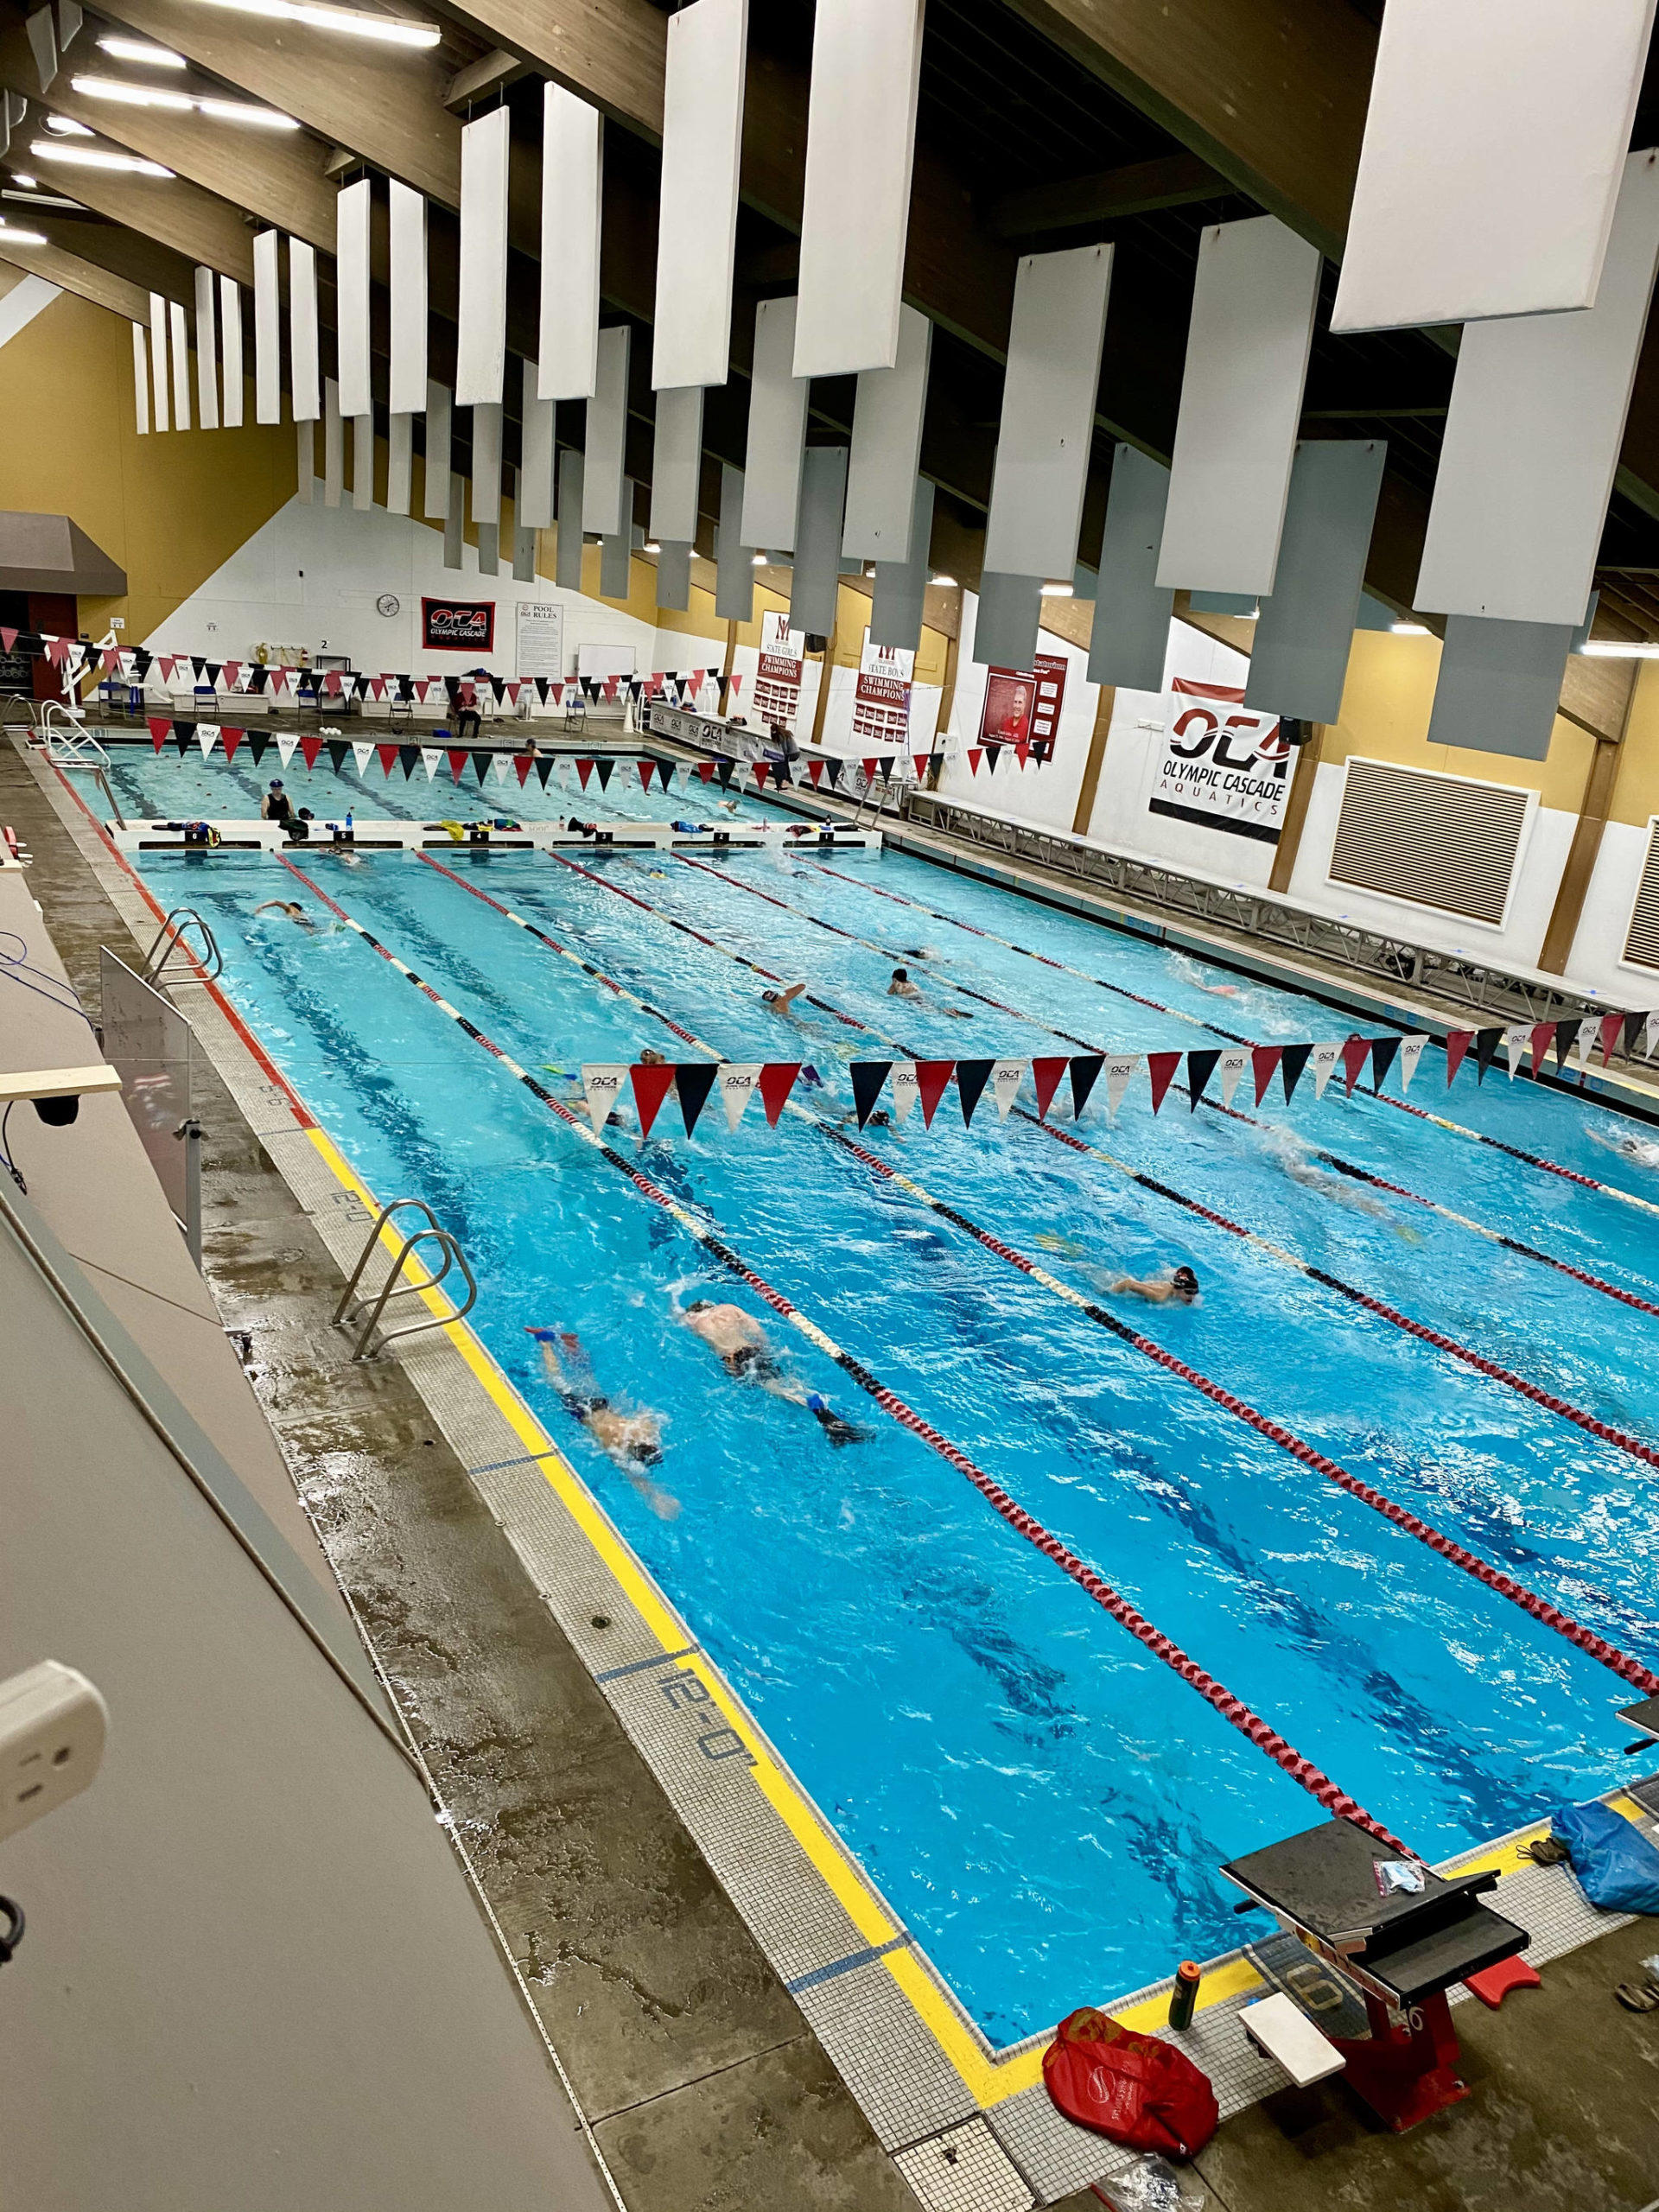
(1224, 765)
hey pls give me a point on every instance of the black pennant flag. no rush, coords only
(452, 686)
(258, 679)
(868, 1075)
(258, 746)
(886, 766)
(1291, 1068)
(603, 769)
(183, 733)
(665, 773)
(541, 688)
(499, 685)
(1384, 1053)
(1634, 1026)
(200, 666)
(724, 772)
(408, 756)
(1566, 1036)
(1486, 1043)
(213, 669)
(480, 764)
(972, 1076)
(1200, 1066)
(780, 772)
(141, 662)
(835, 772)
(694, 1080)
(992, 754)
(543, 767)
(338, 749)
(1085, 1069)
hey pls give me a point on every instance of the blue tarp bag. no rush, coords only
(1616, 1867)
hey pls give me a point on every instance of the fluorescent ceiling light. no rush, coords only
(759, 561)
(65, 129)
(28, 180)
(8, 237)
(110, 88)
(356, 23)
(94, 157)
(651, 546)
(946, 583)
(1409, 629)
(42, 199)
(136, 50)
(1057, 591)
(1612, 649)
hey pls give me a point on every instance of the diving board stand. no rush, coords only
(1402, 1951)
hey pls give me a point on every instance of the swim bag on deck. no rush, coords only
(1616, 1867)
(1136, 2089)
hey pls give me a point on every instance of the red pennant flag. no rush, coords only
(1161, 1067)
(697, 675)
(584, 769)
(331, 682)
(869, 768)
(644, 768)
(513, 690)
(57, 650)
(522, 764)
(232, 669)
(1045, 1075)
(1612, 1025)
(777, 1080)
(457, 756)
(650, 1086)
(705, 770)
(1543, 1036)
(921, 760)
(310, 749)
(230, 738)
(1264, 1065)
(761, 774)
(815, 770)
(975, 754)
(1355, 1053)
(737, 684)
(1458, 1042)
(8, 639)
(1022, 751)
(932, 1081)
(558, 695)
(277, 682)
(160, 728)
(110, 659)
(387, 756)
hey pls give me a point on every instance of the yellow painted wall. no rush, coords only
(1385, 710)
(1636, 792)
(170, 509)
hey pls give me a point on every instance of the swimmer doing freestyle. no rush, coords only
(634, 1442)
(747, 1357)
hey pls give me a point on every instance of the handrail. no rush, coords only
(182, 918)
(453, 1257)
(101, 777)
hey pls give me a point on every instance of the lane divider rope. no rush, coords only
(1404, 1105)
(1629, 1670)
(1267, 1738)
(1493, 1369)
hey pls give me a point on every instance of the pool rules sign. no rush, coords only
(1224, 765)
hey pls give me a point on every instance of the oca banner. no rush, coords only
(1224, 766)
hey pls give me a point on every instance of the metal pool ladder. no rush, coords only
(453, 1257)
(170, 942)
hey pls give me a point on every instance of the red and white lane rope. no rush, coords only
(1403, 1105)
(1267, 1738)
(1495, 1371)
(1629, 1670)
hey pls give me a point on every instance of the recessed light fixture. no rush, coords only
(355, 23)
(1057, 591)
(945, 583)
(94, 157)
(1613, 649)
(1409, 629)
(759, 561)
(65, 129)
(137, 49)
(651, 546)
(112, 88)
(28, 180)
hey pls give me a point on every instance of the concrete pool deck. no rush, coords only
(703, 2081)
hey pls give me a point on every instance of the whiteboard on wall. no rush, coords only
(539, 624)
(605, 660)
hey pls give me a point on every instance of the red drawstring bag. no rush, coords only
(1138, 2090)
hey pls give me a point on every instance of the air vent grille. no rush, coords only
(1446, 842)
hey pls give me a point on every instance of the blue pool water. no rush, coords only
(1044, 1802)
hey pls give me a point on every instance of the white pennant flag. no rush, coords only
(1650, 1036)
(1411, 1051)
(364, 754)
(501, 766)
(601, 1084)
(1231, 1067)
(1515, 1041)
(206, 734)
(1006, 1076)
(1120, 1073)
(1322, 1059)
(430, 756)
(285, 749)
(1585, 1043)
(905, 1089)
(738, 1081)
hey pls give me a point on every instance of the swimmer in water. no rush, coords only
(292, 909)
(1641, 1151)
(747, 1357)
(1176, 1287)
(782, 1002)
(1287, 1149)
(902, 987)
(633, 1440)
(651, 1059)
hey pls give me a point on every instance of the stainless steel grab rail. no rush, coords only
(431, 1231)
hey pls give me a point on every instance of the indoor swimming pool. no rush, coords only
(1043, 1801)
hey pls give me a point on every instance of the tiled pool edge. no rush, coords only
(945, 2132)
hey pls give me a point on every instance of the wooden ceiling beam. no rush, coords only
(1138, 188)
(86, 279)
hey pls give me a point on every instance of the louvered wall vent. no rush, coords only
(1642, 945)
(1440, 841)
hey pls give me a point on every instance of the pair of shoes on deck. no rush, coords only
(1638, 1996)
(1546, 1851)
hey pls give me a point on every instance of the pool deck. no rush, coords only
(701, 2048)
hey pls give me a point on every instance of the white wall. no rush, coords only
(1606, 921)
(1045, 795)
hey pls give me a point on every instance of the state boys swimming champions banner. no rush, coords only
(1224, 766)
